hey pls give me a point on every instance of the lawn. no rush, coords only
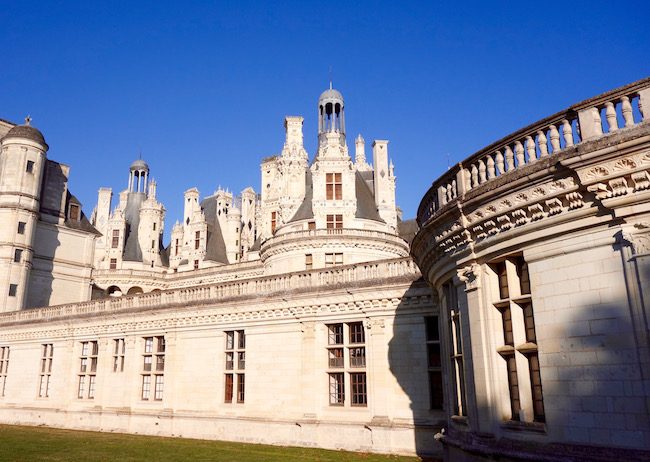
(53, 444)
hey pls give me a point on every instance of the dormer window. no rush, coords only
(333, 186)
(74, 213)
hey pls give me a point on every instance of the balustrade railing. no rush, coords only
(620, 108)
(214, 292)
(338, 232)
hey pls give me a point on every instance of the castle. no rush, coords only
(290, 316)
(298, 316)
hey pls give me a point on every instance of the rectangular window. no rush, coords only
(274, 220)
(516, 269)
(524, 278)
(113, 263)
(21, 227)
(116, 239)
(153, 244)
(229, 388)
(240, 388)
(334, 222)
(30, 167)
(146, 386)
(4, 368)
(337, 389)
(358, 389)
(196, 264)
(235, 361)
(88, 368)
(160, 382)
(47, 354)
(357, 334)
(335, 358)
(335, 335)
(333, 259)
(153, 360)
(358, 357)
(333, 186)
(176, 248)
(455, 337)
(154, 226)
(347, 340)
(119, 350)
(13, 290)
(536, 388)
(18, 255)
(311, 225)
(309, 261)
(434, 361)
(197, 240)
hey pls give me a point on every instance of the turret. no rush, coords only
(22, 159)
(360, 155)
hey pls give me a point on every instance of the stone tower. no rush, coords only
(22, 160)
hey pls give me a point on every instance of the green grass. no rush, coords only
(52, 444)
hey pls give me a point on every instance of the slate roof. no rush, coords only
(215, 246)
(27, 132)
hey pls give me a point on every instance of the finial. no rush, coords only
(28, 120)
(330, 77)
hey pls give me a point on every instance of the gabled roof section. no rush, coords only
(305, 210)
(366, 207)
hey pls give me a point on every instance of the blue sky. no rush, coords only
(201, 89)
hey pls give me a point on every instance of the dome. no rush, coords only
(139, 164)
(330, 95)
(27, 132)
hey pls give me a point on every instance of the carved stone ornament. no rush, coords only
(640, 239)
(470, 276)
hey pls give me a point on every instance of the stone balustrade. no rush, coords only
(314, 279)
(618, 109)
(335, 233)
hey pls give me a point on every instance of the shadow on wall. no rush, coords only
(41, 275)
(408, 362)
(595, 371)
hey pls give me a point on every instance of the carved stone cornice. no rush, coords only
(470, 275)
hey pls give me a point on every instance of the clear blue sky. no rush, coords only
(202, 88)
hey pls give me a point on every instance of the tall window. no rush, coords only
(274, 221)
(18, 255)
(30, 166)
(4, 368)
(119, 350)
(334, 222)
(113, 263)
(197, 239)
(309, 261)
(434, 362)
(176, 247)
(235, 365)
(333, 259)
(47, 353)
(519, 349)
(87, 369)
(21, 227)
(13, 290)
(333, 186)
(346, 356)
(153, 367)
(456, 349)
(75, 212)
(116, 238)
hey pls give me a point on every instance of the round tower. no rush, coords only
(331, 114)
(22, 162)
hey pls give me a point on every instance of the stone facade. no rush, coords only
(46, 242)
(291, 317)
(537, 248)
